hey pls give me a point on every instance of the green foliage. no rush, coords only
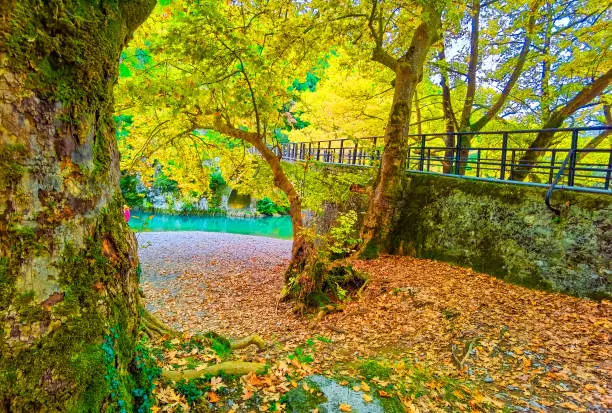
(268, 207)
(303, 355)
(221, 348)
(165, 184)
(190, 390)
(147, 371)
(343, 234)
(128, 185)
(216, 181)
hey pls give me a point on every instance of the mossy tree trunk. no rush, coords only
(386, 195)
(69, 309)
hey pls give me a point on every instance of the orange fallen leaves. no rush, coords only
(213, 397)
(345, 407)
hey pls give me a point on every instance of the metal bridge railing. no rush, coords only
(500, 156)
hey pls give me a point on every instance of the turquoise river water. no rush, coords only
(276, 227)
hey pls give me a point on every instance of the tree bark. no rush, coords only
(387, 191)
(545, 140)
(300, 248)
(69, 311)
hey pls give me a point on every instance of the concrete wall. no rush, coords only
(506, 230)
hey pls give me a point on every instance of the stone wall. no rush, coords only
(506, 230)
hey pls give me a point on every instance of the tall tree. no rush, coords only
(69, 299)
(227, 68)
(408, 69)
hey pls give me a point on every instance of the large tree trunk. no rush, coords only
(386, 195)
(68, 279)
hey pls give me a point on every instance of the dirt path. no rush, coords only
(531, 350)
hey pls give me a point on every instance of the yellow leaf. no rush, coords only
(365, 387)
(345, 407)
(366, 398)
(356, 388)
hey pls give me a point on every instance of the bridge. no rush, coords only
(575, 162)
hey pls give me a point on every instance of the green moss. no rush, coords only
(71, 363)
(371, 368)
(370, 251)
(506, 230)
(11, 164)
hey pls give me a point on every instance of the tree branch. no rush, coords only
(516, 73)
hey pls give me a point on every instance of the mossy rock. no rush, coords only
(327, 394)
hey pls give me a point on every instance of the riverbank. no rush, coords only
(500, 344)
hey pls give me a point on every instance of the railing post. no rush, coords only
(478, 163)
(318, 150)
(422, 161)
(408, 159)
(458, 154)
(330, 155)
(341, 155)
(309, 150)
(428, 159)
(512, 162)
(551, 173)
(374, 150)
(502, 174)
(355, 153)
(608, 173)
(572, 165)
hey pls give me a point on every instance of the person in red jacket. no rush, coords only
(126, 213)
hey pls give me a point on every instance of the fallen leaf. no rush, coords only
(366, 398)
(213, 397)
(345, 407)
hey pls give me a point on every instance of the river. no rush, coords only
(275, 227)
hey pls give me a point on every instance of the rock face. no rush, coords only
(223, 200)
(507, 230)
(68, 264)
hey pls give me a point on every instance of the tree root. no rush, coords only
(328, 309)
(155, 328)
(232, 368)
(247, 341)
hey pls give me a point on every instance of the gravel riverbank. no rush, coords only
(203, 281)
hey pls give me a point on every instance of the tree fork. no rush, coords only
(386, 194)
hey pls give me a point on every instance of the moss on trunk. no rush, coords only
(68, 283)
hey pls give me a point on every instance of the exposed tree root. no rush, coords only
(335, 329)
(328, 309)
(321, 282)
(247, 341)
(232, 368)
(154, 327)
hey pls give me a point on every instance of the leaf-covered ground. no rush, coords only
(435, 336)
